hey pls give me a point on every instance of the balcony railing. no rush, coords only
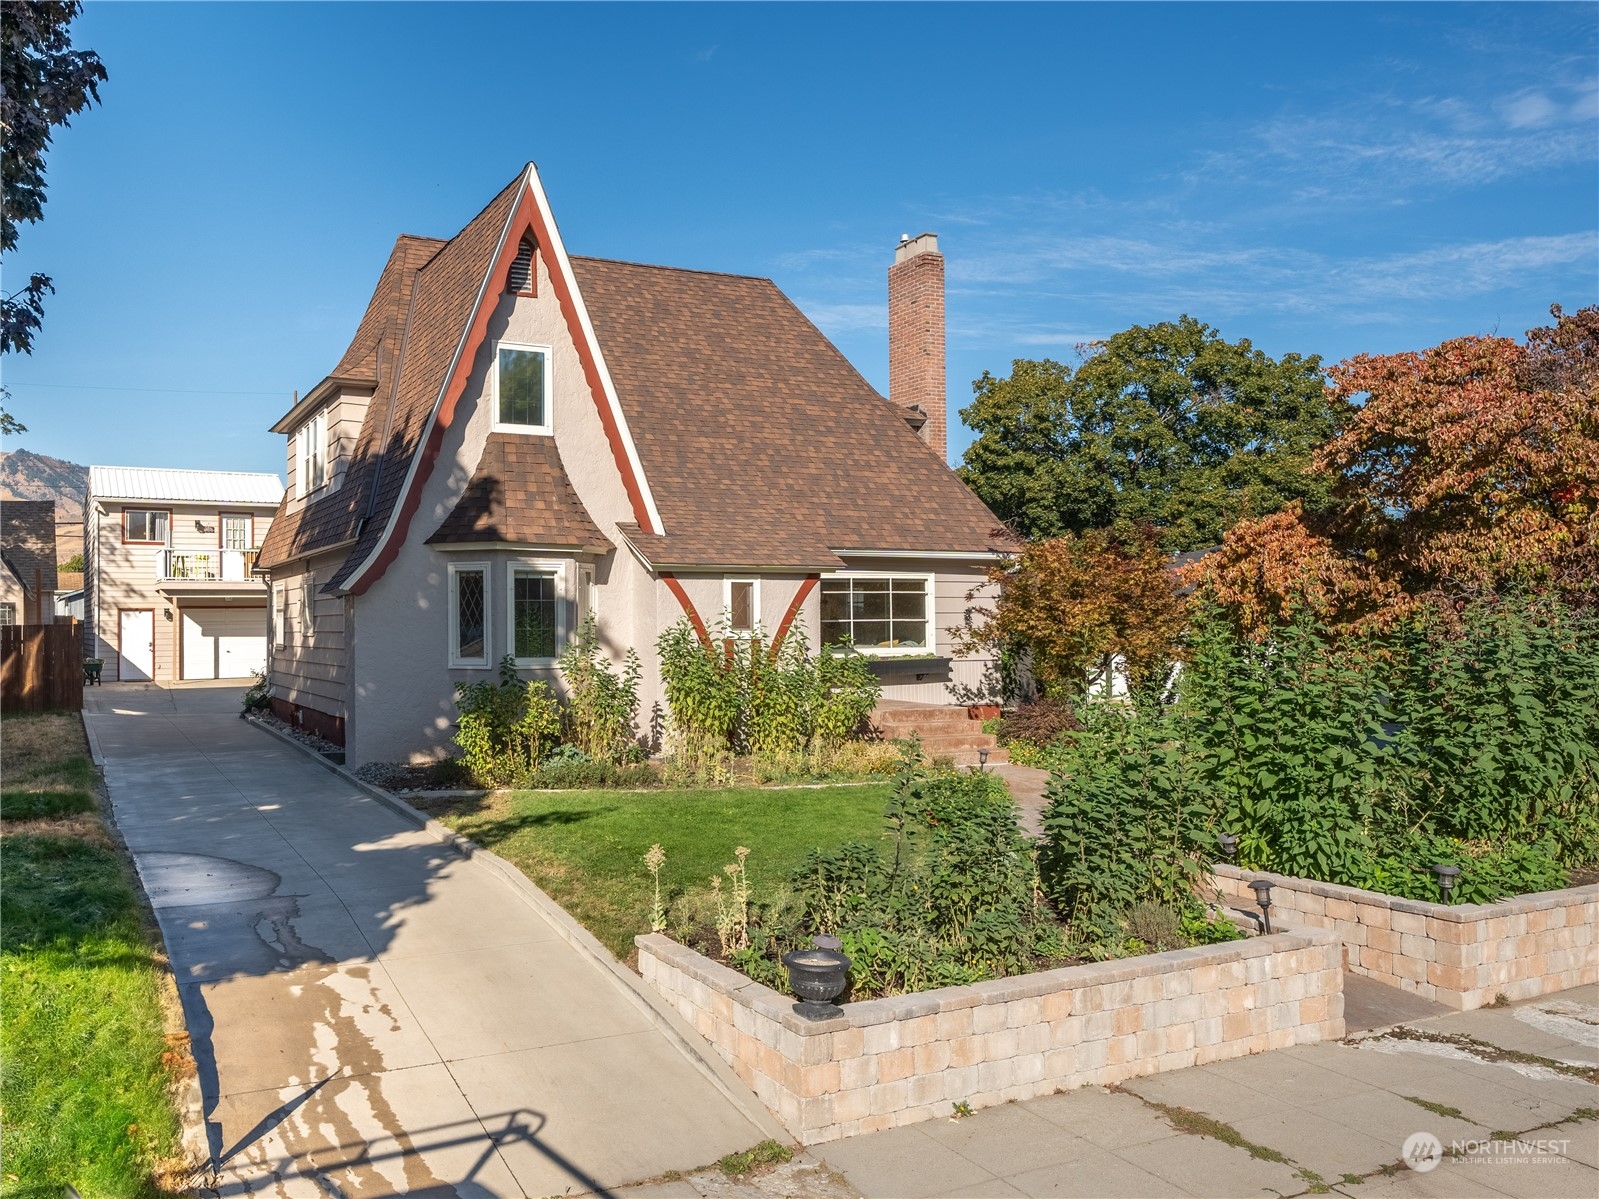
(223, 566)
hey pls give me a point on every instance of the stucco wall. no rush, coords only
(1462, 955)
(908, 1058)
(404, 687)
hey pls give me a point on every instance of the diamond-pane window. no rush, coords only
(470, 614)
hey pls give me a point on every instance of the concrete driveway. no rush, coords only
(372, 1013)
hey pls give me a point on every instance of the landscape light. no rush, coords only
(1446, 878)
(1229, 845)
(982, 760)
(1262, 890)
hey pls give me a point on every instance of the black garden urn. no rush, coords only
(818, 976)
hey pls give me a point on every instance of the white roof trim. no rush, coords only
(530, 180)
(657, 527)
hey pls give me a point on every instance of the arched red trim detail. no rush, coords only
(676, 589)
(800, 596)
(527, 218)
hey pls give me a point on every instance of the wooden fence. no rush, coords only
(41, 667)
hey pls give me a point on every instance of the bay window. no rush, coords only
(535, 617)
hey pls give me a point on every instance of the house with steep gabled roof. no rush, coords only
(517, 438)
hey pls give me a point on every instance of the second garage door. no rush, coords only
(224, 643)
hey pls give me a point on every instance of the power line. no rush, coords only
(187, 391)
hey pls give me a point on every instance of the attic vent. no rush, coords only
(520, 279)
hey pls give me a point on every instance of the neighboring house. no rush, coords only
(170, 589)
(516, 439)
(27, 561)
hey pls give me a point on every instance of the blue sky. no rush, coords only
(1322, 179)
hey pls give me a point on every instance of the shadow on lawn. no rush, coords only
(492, 832)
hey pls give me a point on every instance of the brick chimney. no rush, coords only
(916, 334)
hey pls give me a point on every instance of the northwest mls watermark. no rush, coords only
(1423, 1151)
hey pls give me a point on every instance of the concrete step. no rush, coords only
(894, 718)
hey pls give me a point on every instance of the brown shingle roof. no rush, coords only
(520, 493)
(762, 446)
(28, 540)
(761, 443)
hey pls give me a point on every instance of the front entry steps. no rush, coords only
(946, 732)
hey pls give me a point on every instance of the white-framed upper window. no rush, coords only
(535, 612)
(313, 446)
(308, 607)
(878, 613)
(281, 606)
(237, 530)
(469, 614)
(8, 614)
(741, 605)
(522, 389)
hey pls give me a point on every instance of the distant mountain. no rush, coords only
(25, 475)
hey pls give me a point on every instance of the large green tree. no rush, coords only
(44, 82)
(1167, 425)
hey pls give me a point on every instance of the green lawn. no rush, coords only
(586, 848)
(85, 1089)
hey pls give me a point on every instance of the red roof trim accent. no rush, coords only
(525, 219)
(676, 589)
(800, 596)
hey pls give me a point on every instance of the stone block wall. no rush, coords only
(1462, 955)
(899, 1060)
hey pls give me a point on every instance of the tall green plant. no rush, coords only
(601, 702)
(1125, 823)
(505, 727)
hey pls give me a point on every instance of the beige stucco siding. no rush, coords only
(404, 687)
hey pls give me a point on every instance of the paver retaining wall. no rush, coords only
(1462, 955)
(895, 1061)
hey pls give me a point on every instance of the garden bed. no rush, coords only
(899, 1060)
(586, 848)
(1463, 955)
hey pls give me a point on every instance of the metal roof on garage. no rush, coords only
(191, 486)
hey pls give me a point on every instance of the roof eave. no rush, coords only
(319, 395)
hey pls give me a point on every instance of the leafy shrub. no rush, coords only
(601, 702)
(1041, 721)
(575, 774)
(737, 696)
(1125, 824)
(948, 897)
(258, 697)
(504, 727)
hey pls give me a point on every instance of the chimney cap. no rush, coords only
(911, 247)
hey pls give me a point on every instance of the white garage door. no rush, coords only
(224, 643)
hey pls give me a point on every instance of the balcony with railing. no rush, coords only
(207, 566)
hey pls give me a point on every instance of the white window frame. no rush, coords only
(755, 604)
(281, 606)
(547, 429)
(308, 607)
(455, 658)
(313, 434)
(891, 651)
(547, 566)
(8, 613)
(588, 598)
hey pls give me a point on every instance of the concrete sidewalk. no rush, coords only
(1310, 1120)
(372, 1013)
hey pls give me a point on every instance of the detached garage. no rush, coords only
(224, 643)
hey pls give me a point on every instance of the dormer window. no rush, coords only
(522, 280)
(521, 389)
(313, 447)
